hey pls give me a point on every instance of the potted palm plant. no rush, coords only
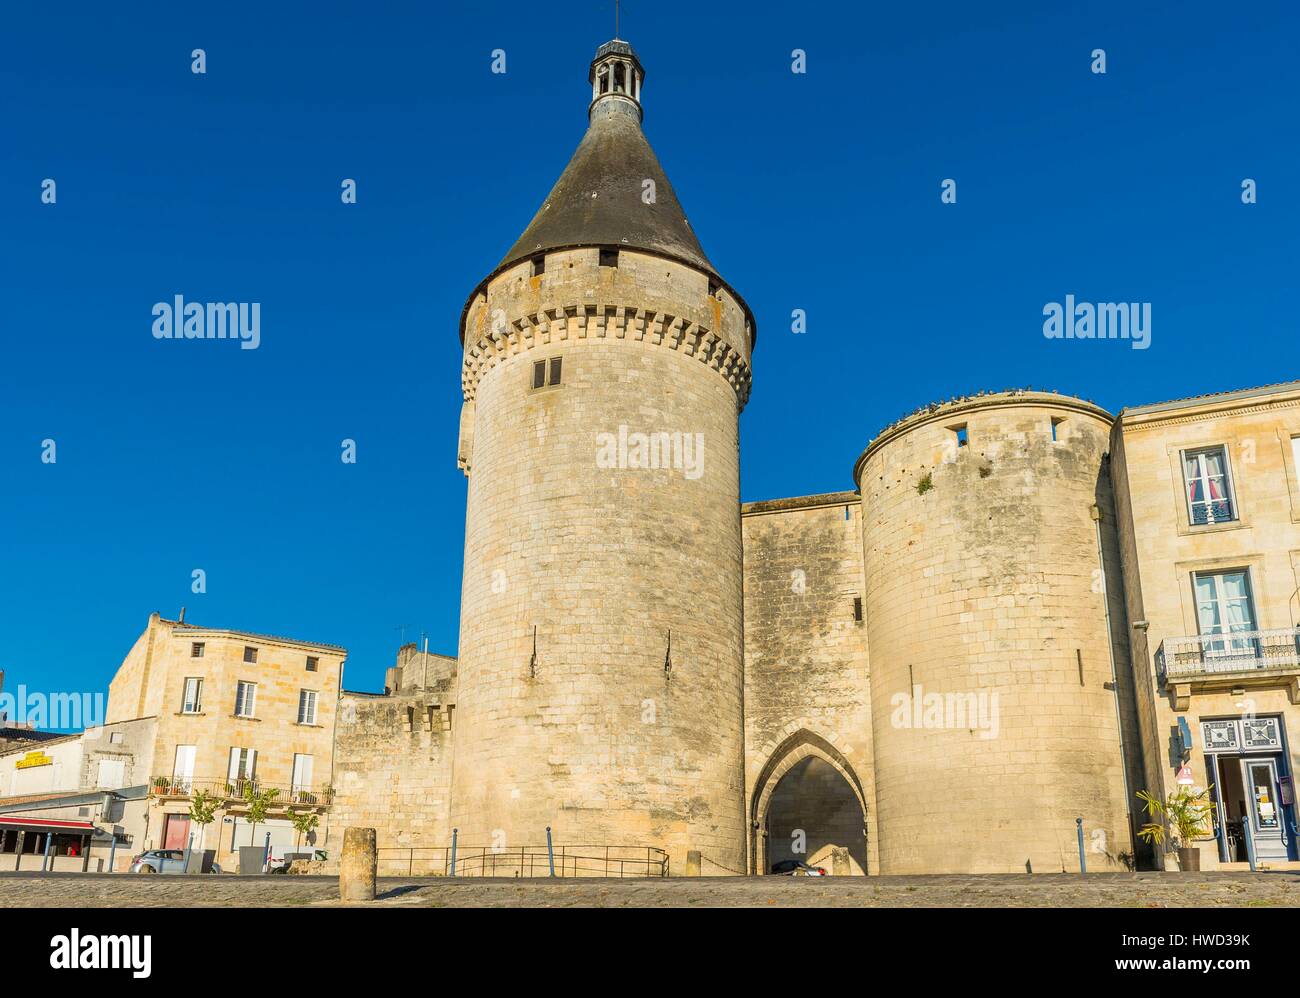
(1189, 815)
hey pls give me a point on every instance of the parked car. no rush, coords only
(162, 861)
(797, 868)
(159, 861)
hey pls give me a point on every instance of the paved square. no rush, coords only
(1107, 890)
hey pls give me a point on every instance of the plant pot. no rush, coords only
(1189, 859)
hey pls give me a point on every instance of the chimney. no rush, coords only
(182, 617)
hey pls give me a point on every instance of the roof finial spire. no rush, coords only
(615, 18)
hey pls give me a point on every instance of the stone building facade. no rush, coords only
(960, 666)
(1208, 497)
(224, 712)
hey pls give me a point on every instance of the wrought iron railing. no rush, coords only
(237, 789)
(523, 861)
(1203, 656)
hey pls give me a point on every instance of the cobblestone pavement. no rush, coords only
(1110, 890)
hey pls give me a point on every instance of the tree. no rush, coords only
(1188, 812)
(203, 811)
(259, 803)
(305, 822)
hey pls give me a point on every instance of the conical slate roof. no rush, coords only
(601, 198)
(598, 200)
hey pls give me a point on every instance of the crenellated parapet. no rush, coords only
(575, 323)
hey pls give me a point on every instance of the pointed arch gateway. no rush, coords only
(794, 756)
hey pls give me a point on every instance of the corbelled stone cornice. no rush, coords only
(573, 323)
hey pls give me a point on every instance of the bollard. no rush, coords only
(357, 865)
(1083, 864)
(1250, 842)
(112, 853)
(550, 850)
(266, 854)
(840, 862)
(454, 833)
(45, 860)
(693, 863)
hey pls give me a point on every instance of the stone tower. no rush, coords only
(990, 559)
(606, 363)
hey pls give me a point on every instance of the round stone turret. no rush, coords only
(990, 556)
(600, 670)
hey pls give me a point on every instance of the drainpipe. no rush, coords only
(1114, 679)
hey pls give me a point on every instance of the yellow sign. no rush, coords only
(34, 759)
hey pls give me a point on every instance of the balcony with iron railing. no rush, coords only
(1208, 662)
(235, 790)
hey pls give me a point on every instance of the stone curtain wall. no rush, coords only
(806, 666)
(392, 768)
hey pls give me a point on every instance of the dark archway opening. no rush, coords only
(814, 807)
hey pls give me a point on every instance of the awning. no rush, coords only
(48, 825)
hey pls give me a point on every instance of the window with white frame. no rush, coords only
(183, 766)
(302, 771)
(306, 706)
(245, 699)
(192, 702)
(1209, 486)
(243, 764)
(1224, 606)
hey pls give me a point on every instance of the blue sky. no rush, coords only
(817, 191)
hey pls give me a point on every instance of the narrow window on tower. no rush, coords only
(609, 258)
(547, 373)
(1056, 428)
(714, 288)
(959, 434)
(539, 266)
(857, 608)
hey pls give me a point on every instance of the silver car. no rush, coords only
(159, 861)
(162, 861)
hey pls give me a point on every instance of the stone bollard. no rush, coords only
(357, 865)
(693, 863)
(840, 863)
